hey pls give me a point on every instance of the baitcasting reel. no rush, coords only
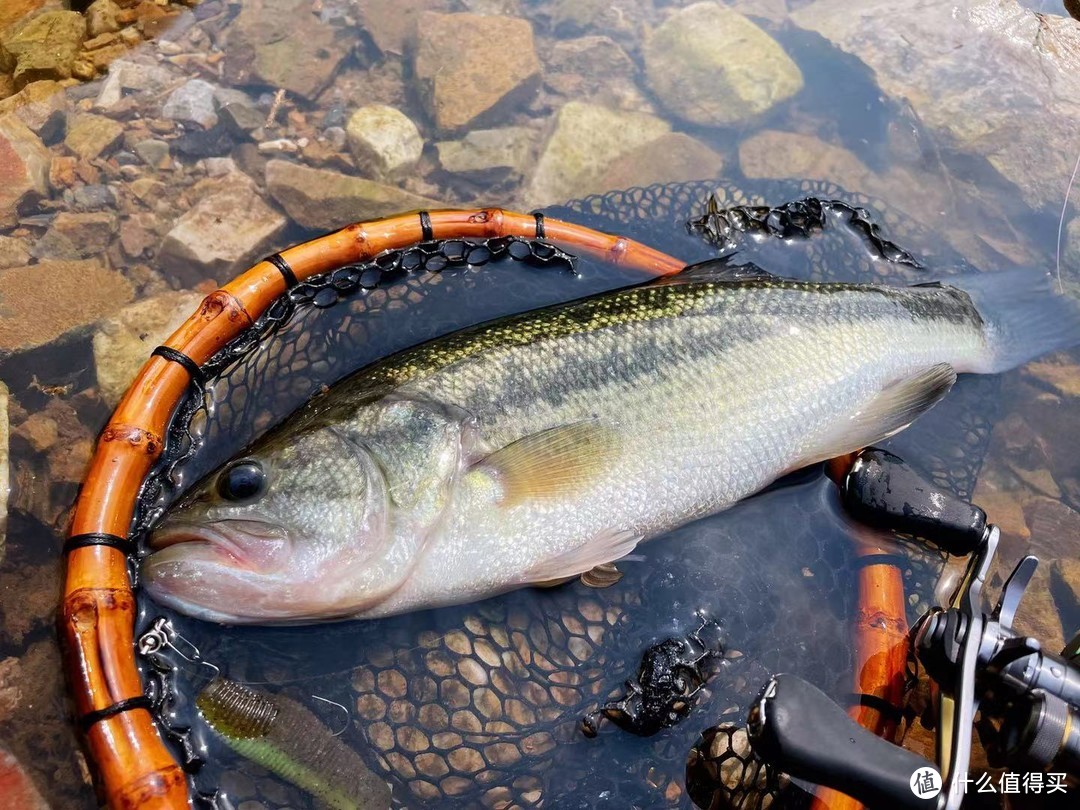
(979, 662)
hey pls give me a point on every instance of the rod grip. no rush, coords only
(881, 490)
(799, 730)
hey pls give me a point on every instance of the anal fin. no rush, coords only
(894, 408)
(602, 549)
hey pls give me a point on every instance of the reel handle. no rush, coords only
(881, 490)
(798, 729)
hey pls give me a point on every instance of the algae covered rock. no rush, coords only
(46, 47)
(384, 141)
(472, 68)
(586, 140)
(323, 199)
(123, 342)
(711, 65)
(280, 43)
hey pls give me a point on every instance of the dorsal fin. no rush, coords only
(719, 270)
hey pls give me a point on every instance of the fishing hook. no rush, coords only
(348, 716)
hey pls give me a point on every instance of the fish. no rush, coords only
(531, 449)
(286, 738)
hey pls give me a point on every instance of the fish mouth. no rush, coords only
(248, 544)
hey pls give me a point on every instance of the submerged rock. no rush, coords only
(996, 78)
(473, 68)
(1070, 246)
(126, 77)
(5, 474)
(49, 299)
(192, 103)
(586, 140)
(90, 136)
(123, 342)
(384, 141)
(24, 168)
(16, 785)
(391, 24)
(102, 17)
(42, 106)
(489, 154)
(225, 231)
(14, 252)
(281, 43)
(710, 65)
(322, 199)
(76, 236)
(671, 158)
(46, 47)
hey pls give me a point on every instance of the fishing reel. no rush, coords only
(1028, 699)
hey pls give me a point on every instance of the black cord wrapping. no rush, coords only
(87, 721)
(121, 544)
(285, 269)
(182, 359)
(426, 230)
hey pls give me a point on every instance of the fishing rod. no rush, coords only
(979, 662)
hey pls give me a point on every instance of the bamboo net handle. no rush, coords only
(881, 642)
(98, 608)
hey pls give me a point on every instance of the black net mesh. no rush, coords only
(480, 705)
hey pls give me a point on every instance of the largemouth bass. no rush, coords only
(531, 449)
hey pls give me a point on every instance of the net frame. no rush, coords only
(98, 609)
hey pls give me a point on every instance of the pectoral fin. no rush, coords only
(602, 549)
(894, 408)
(553, 462)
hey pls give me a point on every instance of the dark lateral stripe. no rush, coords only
(97, 539)
(878, 704)
(895, 560)
(285, 269)
(90, 718)
(540, 234)
(190, 366)
(427, 233)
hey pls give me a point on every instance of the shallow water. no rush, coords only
(125, 179)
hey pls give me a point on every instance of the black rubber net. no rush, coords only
(482, 705)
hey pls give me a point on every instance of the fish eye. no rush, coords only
(243, 481)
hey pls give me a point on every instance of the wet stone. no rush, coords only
(489, 155)
(712, 66)
(323, 199)
(13, 252)
(102, 17)
(391, 24)
(1065, 588)
(40, 307)
(238, 111)
(123, 342)
(671, 158)
(91, 136)
(19, 788)
(46, 46)
(192, 103)
(476, 85)
(126, 78)
(226, 231)
(586, 140)
(42, 106)
(76, 236)
(384, 142)
(24, 168)
(280, 43)
(153, 152)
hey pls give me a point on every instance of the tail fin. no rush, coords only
(1024, 318)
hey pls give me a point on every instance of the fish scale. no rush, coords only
(534, 448)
